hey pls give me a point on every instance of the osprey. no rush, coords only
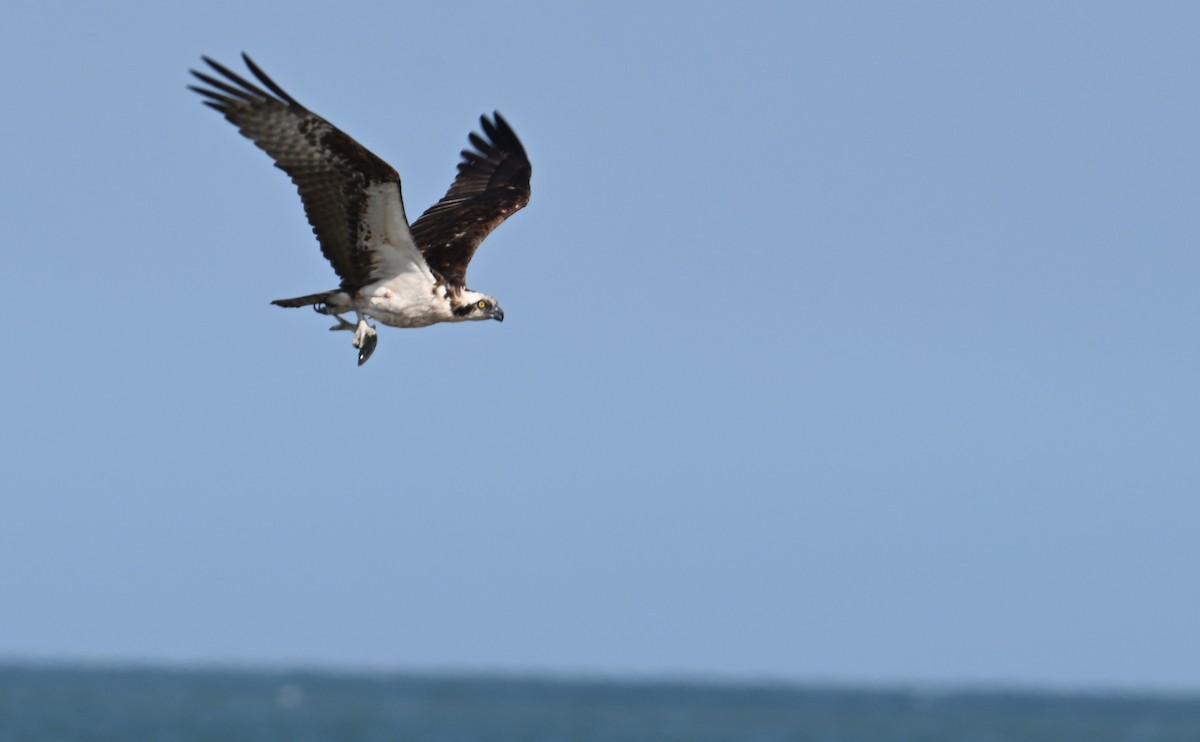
(400, 275)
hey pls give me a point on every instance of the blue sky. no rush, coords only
(844, 341)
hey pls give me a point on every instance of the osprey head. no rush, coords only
(474, 305)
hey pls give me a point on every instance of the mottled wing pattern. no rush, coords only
(331, 170)
(492, 184)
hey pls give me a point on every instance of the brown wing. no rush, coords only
(492, 184)
(331, 170)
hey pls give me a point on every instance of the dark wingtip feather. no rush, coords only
(228, 74)
(480, 143)
(488, 127)
(223, 86)
(504, 132)
(207, 93)
(220, 67)
(501, 134)
(265, 80)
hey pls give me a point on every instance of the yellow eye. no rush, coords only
(482, 304)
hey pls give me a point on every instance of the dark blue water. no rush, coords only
(65, 704)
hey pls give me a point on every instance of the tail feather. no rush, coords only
(305, 301)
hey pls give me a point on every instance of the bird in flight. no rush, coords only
(397, 274)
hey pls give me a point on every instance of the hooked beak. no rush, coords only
(498, 314)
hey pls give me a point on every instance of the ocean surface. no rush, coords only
(62, 704)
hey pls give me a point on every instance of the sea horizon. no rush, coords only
(66, 700)
(593, 676)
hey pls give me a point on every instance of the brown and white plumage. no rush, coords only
(400, 275)
(492, 184)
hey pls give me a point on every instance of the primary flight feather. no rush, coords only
(399, 275)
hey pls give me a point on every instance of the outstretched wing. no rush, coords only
(339, 179)
(492, 184)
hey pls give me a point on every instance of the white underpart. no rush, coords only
(405, 294)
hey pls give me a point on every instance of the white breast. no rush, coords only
(402, 302)
(406, 294)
